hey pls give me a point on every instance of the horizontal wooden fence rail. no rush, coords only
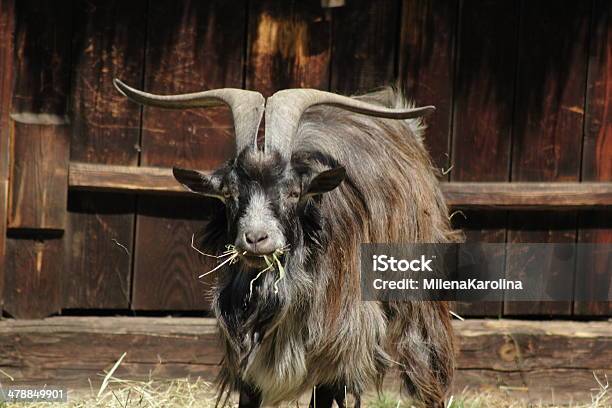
(130, 179)
(519, 195)
(528, 195)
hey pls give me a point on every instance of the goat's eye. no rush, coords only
(227, 194)
(294, 194)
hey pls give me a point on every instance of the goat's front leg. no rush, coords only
(249, 397)
(323, 396)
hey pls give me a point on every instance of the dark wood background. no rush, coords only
(522, 89)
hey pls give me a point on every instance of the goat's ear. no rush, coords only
(198, 182)
(326, 181)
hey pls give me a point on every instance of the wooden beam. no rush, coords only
(528, 195)
(156, 180)
(168, 348)
(38, 194)
(492, 353)
(146, 180)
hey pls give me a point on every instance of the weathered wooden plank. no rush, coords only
(206, 52)
(32, 282)
(527, 195)
(289, 46)
(483, 100)
(515, 345)
(109, 43)
(39, 179)
(128, 179)
(364, 45)
(597, 154)
(483, 107)
(523, 358)
(548, 124)
(167, 268)
(426, 66)
(47, 350)
(98, 251)
(7, 22)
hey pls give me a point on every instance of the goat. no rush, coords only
(334, 172)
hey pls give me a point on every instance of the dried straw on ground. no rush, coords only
(196, 393)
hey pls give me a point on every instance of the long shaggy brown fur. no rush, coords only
(393, 197)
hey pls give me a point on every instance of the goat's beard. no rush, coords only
(244, 305)
(248, 312)
(246, 315)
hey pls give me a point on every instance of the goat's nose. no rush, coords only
(256, 237)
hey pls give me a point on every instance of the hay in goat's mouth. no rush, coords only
(231, 255)
(273, 263)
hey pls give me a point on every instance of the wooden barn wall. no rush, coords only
(522, 88)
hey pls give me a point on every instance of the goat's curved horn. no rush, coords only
(285, 108)
(247, 106)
